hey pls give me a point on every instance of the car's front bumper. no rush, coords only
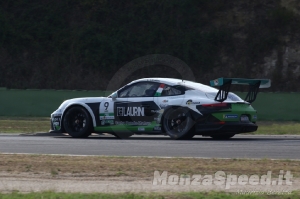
(225, 127)
(55, 122)
(53, 128)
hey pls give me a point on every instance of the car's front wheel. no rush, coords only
(178, 123)
(77, 122)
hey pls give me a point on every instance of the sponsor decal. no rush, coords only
(107, 122)
(141, 129)
(165, 101)
(56, 126)
(190, 102)
(130, 111)
(107, 116)
(157, 111)
(230, 116)
(56, 119)
(134, 123)
(159, 90)
(216, 81)
(56, 123)
(157, 128)
(163, 105)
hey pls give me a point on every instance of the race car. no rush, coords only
(174, 107)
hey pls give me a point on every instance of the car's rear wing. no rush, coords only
(225, 83)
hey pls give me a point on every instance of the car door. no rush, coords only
(106, 112)
(135, 108)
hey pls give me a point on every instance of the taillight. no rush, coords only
(214, 107)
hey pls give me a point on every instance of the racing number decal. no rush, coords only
(106, 104)
(106, 113)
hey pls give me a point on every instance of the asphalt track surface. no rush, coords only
(240, 146)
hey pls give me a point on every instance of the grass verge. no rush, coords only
(191, 195)
(278, 128)
(136, 167)
(24, 124)
(42, 124)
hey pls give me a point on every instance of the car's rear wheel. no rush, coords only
(223, 136)
(77, 122)
(178, 123)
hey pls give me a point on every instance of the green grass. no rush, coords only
(278, 128)
(136, 168)
(42, 124)
(139, 168)
(190, 195)
(24, 125)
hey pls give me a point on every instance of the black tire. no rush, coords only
(77, 122)
(222, 136)
(178, 123)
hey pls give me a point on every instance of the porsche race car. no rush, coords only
(174, 107)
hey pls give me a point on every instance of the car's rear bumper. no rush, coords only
(228, 127)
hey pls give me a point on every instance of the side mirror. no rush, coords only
(114, 95)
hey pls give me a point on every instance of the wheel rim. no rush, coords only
(177, 122)
(77, 121)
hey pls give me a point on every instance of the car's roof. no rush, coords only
(173, 81)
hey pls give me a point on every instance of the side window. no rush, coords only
(170, 91)
(141, 89)
(124, 92)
